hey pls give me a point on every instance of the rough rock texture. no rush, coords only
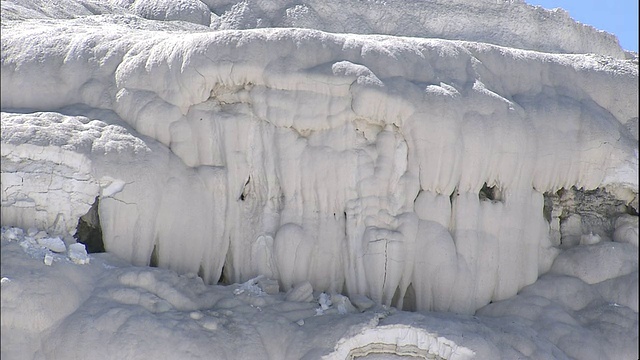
(506, 23)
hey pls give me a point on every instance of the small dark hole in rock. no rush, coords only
(223, 278)
(153, 260)
(491, 193)
(89, 231)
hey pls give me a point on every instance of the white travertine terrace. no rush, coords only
(314, 156)
(402, 156)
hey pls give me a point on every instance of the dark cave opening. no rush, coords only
(89, 231)
(573, 212)
(490, 193)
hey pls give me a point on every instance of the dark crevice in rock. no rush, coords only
(245, 189)
(155, 253)
(453, 195)
(89, 231)
(201, 272)
(406, 301)
(395, 300)
(409, 302)
(547, 209)
(223, 280)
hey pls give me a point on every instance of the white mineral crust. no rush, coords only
(221, 141)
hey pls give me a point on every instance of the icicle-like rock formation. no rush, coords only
(409, 170)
